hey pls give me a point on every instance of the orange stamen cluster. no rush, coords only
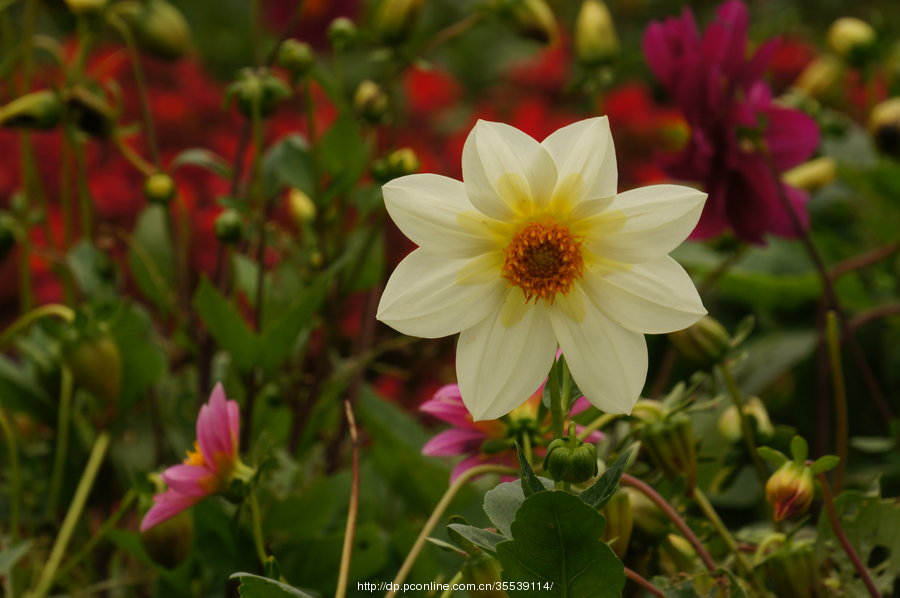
(543, 259)
(195, 457)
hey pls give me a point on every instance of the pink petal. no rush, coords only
(468, 463)
(234, 426)
(214, 429)
(448, 392)
(190, 480)
(165, 506)
(448, 412)
(450, 443)
(791, 136)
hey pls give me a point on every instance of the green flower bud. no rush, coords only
(483, 570)
(159, 28)
(85, 7)
(670, 445)
(595, 34)
(36, 110)
(729, 423)
(820, 77)
(572, 462)
(370, 102)
(884, 125)
(7, 234)
(790, 490)
(341, 32)
(95, 361)
(812, 175)
(159, 188)
(793, 570)
(90, 111)
(852, 39)
(395, 19)
(535, 20)
(399, 163)
(257, 89)
(649, 521)
(676, 555)
(168, 544)
(704, 344)
(301, 207)
(296, 57)
(229, 227)
(619, 522)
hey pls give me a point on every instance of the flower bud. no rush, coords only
(296, 57)
(595, 34)
(85, 7)
(884, 125)
(793, 570)
(572, 462)
(257, 90)
(229, 227)
(619, 522)
(90, 111)
(676, 555)
(790, 490)
(820, 77)
(300, 207)
(36, 110)
(670, 445)
(851, 39)
(159, 188)
(7, 234)
(482, 570)
(370, 102)
(341, 32)
(730, 421)
(649, 520)
(395, 19)
(704, 344)
(95, 362)
(812, 175)
(160, 29)
(168, 543)
(535, 20)
(399, 163)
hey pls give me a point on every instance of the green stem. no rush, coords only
(713, 517)
(841, 536)
(556, 409)
(352, 509)
(448, 593)
(842, 432)
(737, 400)
(72, 516)
(26, 320)
(108, 525)
(62, 439)
(15, 475)
(258, 541)
(436, 515)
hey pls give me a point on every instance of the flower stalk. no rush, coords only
(352, 508)
(842, 432)
(746, 428)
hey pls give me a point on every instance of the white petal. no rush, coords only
(655, 220)
(433, 296)
(506, 171)
(608, 362)
(585, 159)
(434, 212)
(500, 366)
(652, 297)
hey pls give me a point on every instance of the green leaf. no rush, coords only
(254, 586)
(288, 163)
(530, 482)
(344, 154)
(874, 445)
(143, 358)
(203, 158)
(19, 392)
(825, 463)
(226, 325)
(11, 556)
(776, 458)
(502, 502)
(556, 540)
(799, 449)
(278, 338)
(150, 258)
(603, 489)
(91, 269)
(479, 537)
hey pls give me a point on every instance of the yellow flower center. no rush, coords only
(195, 457)
(543, 259)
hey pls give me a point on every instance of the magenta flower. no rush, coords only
(489, 441)
(207, 469)
(736, 128)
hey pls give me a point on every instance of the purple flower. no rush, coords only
(736, 128)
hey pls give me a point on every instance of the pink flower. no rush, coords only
(208, 468)
(736, 129)
(489, 441)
